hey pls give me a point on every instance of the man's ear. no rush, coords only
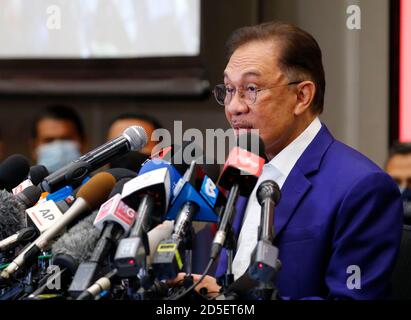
(305, 95)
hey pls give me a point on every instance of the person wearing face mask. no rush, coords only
(398, 166)
(57, 137)
(134, 159)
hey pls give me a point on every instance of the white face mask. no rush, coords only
(56, 154)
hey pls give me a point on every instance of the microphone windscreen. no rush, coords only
(37, 174)
(268, 189)
(29, 196)
(120, 173)
(11, 214)
(13, 170)
(77, 244)
(97, 189)
(137, 137)
(118, 188)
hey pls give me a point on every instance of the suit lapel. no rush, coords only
(293, 190)
(297, 183)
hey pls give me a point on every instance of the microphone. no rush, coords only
(90, 196)
(13, 170)
(149, 194)
(153, 188)
(76, 245)
(102, 284)
(114, 219)
(240, 175)
(71, 249)
(36, 174)
(22, 236)
(264, 259)
(168, 260)
(12, 217)
(132, 139)
(46, 213)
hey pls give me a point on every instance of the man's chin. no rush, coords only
(240, 131)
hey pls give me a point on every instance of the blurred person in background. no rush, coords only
(2, 147)
(58, 137)
(398, 166)
(134, 159)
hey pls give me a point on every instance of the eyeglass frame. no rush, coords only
(256, 91)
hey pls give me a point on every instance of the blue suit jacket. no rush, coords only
(337, 210)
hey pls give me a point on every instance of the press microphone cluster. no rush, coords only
(140, 232)
(89, 197)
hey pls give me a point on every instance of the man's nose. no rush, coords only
(237, 105)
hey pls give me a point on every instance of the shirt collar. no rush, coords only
(287, 158)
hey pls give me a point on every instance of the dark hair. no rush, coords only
(403, 148)
(59, 112)
(300, 53)
(130, 115)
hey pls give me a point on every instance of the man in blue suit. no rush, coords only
(338, 223)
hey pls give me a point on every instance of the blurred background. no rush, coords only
(163, 57)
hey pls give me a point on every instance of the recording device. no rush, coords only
(133, 138)
(89, 196)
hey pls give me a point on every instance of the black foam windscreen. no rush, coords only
(29, 196)
(121, 173)
(13, 170)
(118, 187)
(37, 173)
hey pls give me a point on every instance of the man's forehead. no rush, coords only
(253, 59)
(247, 73)
(49, 126)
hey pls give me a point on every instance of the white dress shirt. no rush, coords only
(278, 170)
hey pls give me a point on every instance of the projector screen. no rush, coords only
(76, 29)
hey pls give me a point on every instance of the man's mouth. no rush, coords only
(242, 128)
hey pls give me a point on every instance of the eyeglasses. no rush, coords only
(224, 94)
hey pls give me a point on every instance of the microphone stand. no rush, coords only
(264, 263)
(230, 245)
